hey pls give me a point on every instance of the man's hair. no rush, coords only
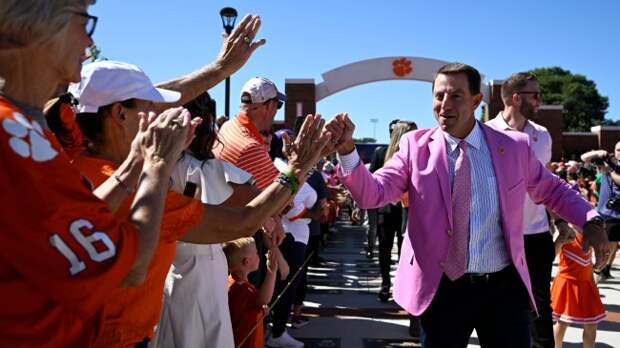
(26, 22)
(473, 76)
(235, 250)
(515, 83)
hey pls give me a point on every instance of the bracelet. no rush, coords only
(293, 180)
(123, 186)
(289, 181)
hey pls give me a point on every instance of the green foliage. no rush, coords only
(584, 107)
(95, 54)
(608, 122)
(364, 140)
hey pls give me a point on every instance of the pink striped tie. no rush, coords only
(456, 263)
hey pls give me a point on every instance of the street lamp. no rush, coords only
(374, 127)
(229, 16)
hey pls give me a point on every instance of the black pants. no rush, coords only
(312, 250)
(371, 235)
(496, 306)
(314, 244)
(539, 254)
(391, 226)
(294, 253)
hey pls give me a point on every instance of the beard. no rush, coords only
(528, 111)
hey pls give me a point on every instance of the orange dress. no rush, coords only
(574, 296)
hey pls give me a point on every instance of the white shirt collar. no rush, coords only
(501, 121)
(474, 138)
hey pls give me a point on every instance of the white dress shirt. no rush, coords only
(534, 215)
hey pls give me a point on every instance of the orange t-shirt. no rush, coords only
(245, 313)
(131, 313)
(62, 251)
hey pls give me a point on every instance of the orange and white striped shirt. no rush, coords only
(242, 145)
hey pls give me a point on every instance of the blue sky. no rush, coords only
(308, 38)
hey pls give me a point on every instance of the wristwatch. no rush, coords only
(597, 220)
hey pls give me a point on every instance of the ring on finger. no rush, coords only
(246, 40)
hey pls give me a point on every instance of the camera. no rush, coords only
(613, 204)
(609, 160)
(598, 161)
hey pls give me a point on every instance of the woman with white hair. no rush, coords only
(62, 250)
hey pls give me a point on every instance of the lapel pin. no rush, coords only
(501, 150)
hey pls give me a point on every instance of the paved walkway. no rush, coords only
(345, 312)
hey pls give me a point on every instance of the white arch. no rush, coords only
(381, 69)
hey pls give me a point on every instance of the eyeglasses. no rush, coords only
(534, 94)
(280, 103)
(91, 23)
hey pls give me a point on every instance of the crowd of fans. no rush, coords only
(124, 193)
(122, 197)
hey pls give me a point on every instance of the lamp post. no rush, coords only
(374, 127)
(229, 16)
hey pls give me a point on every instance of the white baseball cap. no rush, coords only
(259, 90)
(106, 82)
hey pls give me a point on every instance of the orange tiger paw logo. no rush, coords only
(402, 67)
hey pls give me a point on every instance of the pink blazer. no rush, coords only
(420, 169)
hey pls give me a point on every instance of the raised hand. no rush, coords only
(336, 130)
(165, 138)
(239, 45)
(306, 150)
(341, 124)
(272, 261)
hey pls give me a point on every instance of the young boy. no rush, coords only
(245, 301)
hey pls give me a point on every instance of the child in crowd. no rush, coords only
(246, 302)
(574, 296)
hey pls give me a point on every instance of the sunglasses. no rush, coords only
(280, 103)
(91, 23)
(536, 95)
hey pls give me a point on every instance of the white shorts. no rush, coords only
(195, 310)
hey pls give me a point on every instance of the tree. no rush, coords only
(584, 107)
(95, 54)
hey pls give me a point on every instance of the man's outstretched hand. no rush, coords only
(341, 127)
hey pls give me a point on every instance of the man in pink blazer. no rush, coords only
(462, 265)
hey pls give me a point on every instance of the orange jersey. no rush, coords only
(245, 314)
(131, 313)
(62, 250)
